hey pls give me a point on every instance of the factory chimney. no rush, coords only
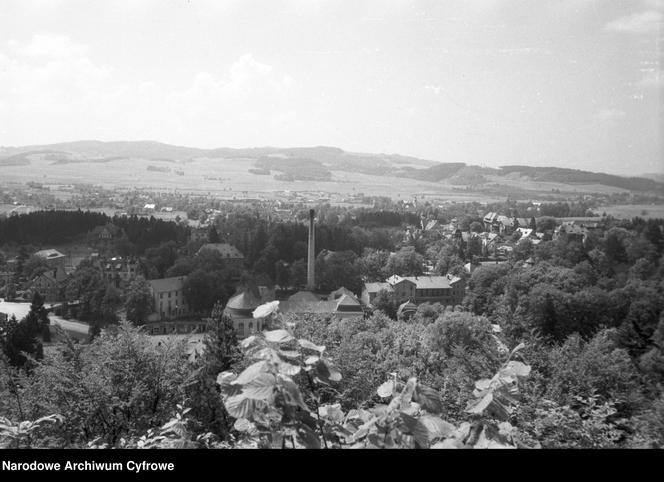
(311, 257)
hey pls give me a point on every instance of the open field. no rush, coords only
(231, 178)
(629, 211)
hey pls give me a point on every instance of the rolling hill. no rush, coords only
(320, 163)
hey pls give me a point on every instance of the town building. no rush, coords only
(346, 305)
(168, 298)
(53, 257)
(446, 290)
(50, 284)
(232, 257)
(118, 271)
(240, 309)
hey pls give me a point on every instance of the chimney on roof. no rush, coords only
(311, 281)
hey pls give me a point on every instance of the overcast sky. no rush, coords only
(574, 83)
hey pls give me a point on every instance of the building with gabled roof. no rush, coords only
(50, 284)
(446, 290)
(232, 256)
(336, 294)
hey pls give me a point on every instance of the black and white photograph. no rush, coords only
(328, 224)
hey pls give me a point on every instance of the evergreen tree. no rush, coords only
(213, 235)
(220, 352)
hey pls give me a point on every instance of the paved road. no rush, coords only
(75, 328)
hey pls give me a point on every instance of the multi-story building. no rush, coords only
(447, 290)
(168, 297)
(119, 271)
(50, 284)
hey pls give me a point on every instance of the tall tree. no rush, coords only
(139, 301)
(213, 235)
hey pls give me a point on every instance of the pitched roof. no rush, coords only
(224, 249)
(304, 306)
(336, 294)
(376, 287)
(426, 282)
(246, 300)
(348, 303)
(49, 253)
(303, 296)
(167, 284)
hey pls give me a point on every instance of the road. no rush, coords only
(74, 328)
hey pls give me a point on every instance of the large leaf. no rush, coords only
(225, 379)
(249, 341)
(520, 346)
(428, 398)
(251, 372)
(517, 368)
(437, 427)
(239, 406)
(311, 360)
(310, 346)
(292, 395)
(288, 369)
(278, 336)
(290, 354)
(244, 425)
(480, 405)
(362, 415)
(262, 353)
(386, 389)
(450, 443)
(331, 412)
(418, 430)
(335, 375)
(261, 387)
(308, 437)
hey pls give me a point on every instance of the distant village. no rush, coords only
(489, 242)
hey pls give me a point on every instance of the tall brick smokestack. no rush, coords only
(311, 257)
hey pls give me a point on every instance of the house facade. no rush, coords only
(447, 290)
(168, 298)
(118, 271)
(50, 284)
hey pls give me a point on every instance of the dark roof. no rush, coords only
(348, 303)
(336, 294)
(244, 301)
(224, 249)
(376, 287)
(303, 296)
(167, 284)
(408, 306)
(49, 253)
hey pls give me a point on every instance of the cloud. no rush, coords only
(248, 80)
(637, 23)
(610, 115)
(54, 46)
(652, 78)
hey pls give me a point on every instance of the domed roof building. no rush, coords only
(241, 306)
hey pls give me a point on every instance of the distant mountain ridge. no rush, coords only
(319, 162)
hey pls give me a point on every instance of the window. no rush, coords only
(240, 328)
(161, 295)
(251, 327)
